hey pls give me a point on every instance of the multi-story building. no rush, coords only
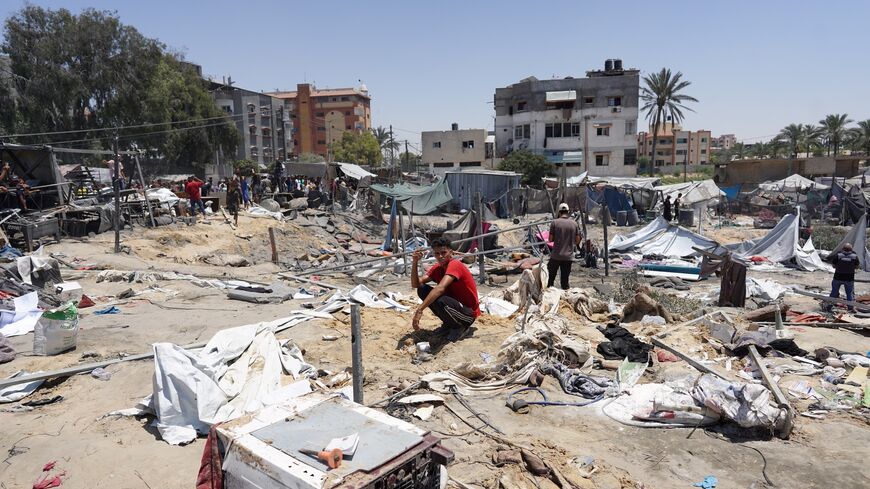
(322, 116)
(676, 146)
(588, 124)
(263, 122)
(724, 141)
(456, 149)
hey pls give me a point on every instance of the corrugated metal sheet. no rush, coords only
(493, 185)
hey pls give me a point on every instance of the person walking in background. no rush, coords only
(246, 192)
(845, 263)
(677, 207)
(565, 235)
(234, 199)
(192, 188)
(667, 209)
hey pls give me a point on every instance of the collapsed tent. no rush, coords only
(857, 237)
(662, 238)
(419, 199)
(792, 183)
(781, 245)
(695, 194)
(354, 171)
(615, 199)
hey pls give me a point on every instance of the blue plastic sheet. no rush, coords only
(731, 192)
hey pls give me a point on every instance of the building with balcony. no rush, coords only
(676, 146)
(321, 117)
(587, 124)
(456, 150)
(724, 141)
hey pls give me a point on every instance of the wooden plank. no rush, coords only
(691, 361)
(781, 400)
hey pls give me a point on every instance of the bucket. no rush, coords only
(621, 218)
(651, 215)
(687, 217)
(632, 217)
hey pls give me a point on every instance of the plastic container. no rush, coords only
(621, 218)
(633, 217)
(687, 217)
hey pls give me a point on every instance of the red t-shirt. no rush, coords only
(462, 288)
(192, 189)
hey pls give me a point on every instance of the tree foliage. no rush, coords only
(90, 72)
(532, 166)
(361, 148)
(663, 100)
(311, 158)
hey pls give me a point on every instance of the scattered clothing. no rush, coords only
(623, 344)
(108, 310)
(709, 482)
(574, 382)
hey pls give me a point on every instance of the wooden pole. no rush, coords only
(605, 220)
(356, 353)
(481, 277)
(116, 185)
(274, 248)
(144, 191)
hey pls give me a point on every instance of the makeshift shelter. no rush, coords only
(695, 194)
(522, 201)
(857, 237)
(466, 227)
(354, 171)
(792, 183)
(494, 187)
(419, 199)
(38, 167)
(615, 199)
(662, 238)
(781, 245)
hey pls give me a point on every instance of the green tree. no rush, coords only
(409, 159)
(738, 151)
(811, 138)
(859, 137)
(357, 148)
(245, 167)
(834, 131)
(385, 140)
(533, 167)
(663, 100)
(311, 158)
(792, 134)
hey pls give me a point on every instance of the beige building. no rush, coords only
(456, 150)
(676, 146)
(724, 141)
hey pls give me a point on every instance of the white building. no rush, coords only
(588, 124)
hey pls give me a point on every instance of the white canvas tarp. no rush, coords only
(661, 238)
(694, 193)
(857, 237)
(781, 244)
(634, 183)
(792, 183)
(354, 171)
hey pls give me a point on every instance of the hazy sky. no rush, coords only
(755, 66)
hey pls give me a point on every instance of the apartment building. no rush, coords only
(676, 146)
(263, 122)
(322, 116)
(587, 124)
(456, 150)
(724, 141)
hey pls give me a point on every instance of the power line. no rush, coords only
(77, 131)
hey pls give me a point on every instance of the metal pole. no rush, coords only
(116, 185)
(145, 191)
(274, 248)
(605, 219)
(404, 241)
(481, 277)
(356, 353)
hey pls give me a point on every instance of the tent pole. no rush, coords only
(605, 220)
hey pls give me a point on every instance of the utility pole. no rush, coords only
(686, 164)
(407, 159)
(116, 186)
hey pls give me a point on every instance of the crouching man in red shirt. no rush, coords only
(453, 299)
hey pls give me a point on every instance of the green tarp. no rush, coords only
(419, 198)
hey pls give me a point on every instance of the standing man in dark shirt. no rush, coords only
(677, 207)
(565, 235)
(845, 264)
(667, 209)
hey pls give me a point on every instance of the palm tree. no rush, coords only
(811, 138)
(859, 137)
(758, 150)
(662, 101)
(385, 140)
(792, 134)
(834, 131)
(738, 151)
(776, 147)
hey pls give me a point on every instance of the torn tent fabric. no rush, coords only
(661, 238)
(615, 199)
(628, 241)
(792, 183)
(857, 237)
(695, 194)
(417, 198)
(780, 245)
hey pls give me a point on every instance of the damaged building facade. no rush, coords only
(588, 124)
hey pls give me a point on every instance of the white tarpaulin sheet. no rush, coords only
(661, 238)
(354, 171)
(23, 319)
(704, 191)
(781, 244)
(857, 237)
(637, 183)
(792, 183)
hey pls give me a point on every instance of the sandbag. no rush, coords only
(57, 330)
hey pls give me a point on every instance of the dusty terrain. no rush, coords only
(97, 451)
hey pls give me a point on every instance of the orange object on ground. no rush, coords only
(332, 458)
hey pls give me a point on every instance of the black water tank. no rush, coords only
(454, 127)
(608, 65)
(617, 64)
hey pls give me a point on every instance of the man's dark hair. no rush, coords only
(440, 242)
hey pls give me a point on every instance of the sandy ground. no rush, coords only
(98, 451)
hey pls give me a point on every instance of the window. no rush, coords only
(588, 100)
(319, 114)
(321, 141)
(335, 99)
(469, 163)
(681, 151)
(347, 113)
(344, 99)
(614, 101)
(228, 109)
(562, 130)
(630, 157)
(602, 159)
(660, 162)
(349, 127)
(521, 106)
(682, 140)
(703, 140)
(321, 128)
(629, 128)
(443, 164)
(703, 151)
(467, 145)
(523, 132)
(436, 144)
(602, 131)
(575, 129)
(664, 141)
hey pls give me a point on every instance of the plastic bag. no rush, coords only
(57, 330)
